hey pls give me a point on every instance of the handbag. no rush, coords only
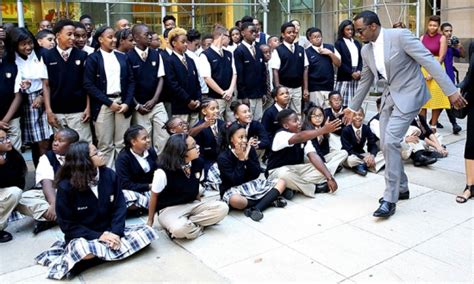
(462, 112)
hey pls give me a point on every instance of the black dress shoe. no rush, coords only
(254, 214)
(456, 128)
(339, 169)
(5, 236)
(288, 194)
(422, 160)
(360, 169)
(402, 196)
(385, 210)
(321, 188)
(41, 226)
(280, 202)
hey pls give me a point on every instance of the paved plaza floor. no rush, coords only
(332, 238)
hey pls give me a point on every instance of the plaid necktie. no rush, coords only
(184, 62)
(187, 170)
(65, 55)
(254, 52)
(358, 136)
(144, 56)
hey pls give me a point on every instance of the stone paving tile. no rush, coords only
(412, 267)
(279, 265)
(453, 247)
(228, 242)
(440, 179)
(25, 274)
(347, 249)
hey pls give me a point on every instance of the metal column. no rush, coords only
(21, 16)
(265, 15)
(418, 20)
(163, 14)
(193, 15)
(107, 13)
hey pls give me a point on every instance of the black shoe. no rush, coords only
(385, 210)
(439, 125)
(254, 214)
(41, 226)
(288, 194)
(456, 128)
(321, 188)
(339, 169)
(402, 196)
(360, 169)
(280, 202)
(422, 160)
(5, 236)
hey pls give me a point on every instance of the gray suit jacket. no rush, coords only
(404, 53)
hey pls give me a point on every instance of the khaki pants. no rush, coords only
(15, 133)
(188, 220)
(109, 129)
(153, 123)
(320, 98)
(334, 159)
(296, 95)
(9, 197)
(73, 121)
(335, 141)
(256, 108)
(224, 110)
(353, 161)
(33, 203)
(302, 177)
(191, 118)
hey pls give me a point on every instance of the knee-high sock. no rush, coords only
(267, 199)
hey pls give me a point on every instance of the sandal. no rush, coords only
(461, 198)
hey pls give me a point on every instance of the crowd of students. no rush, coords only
(123, 122)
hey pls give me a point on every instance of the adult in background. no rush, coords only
(87, 21)
(122, 24)
(401, 99)
(468, 86)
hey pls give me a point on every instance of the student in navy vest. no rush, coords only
(91, 213)
(290, 68)
(251, 72)
(348, 74)
(218, 70)
(135, 166)
(111, 91)
(261, 36)
(148, 71)
(291, 148)
(175, 191)
(322, 58)
(182, 79)
(12, 181)
(27, 54)
(10, 98)
(65, 100)
(269, 120)
(40, 203)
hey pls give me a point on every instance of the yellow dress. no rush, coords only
(438, 99)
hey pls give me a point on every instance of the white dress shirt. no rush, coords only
(275, 61)
(112, 72)
(280, 142)
(88, 49)
(44, 170)
(142, 160)
(354, 51)
(204, 67)
(377, 47)
(198, 61)
(317, 49)
(31, 69)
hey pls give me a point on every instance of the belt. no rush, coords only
(114, 95)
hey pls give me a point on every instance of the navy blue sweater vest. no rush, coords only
(291, 67)
(320, 70)
(53, 161)
(66, 80)
(8, 72)
(221, 70)
(292, 155)
(145, 74)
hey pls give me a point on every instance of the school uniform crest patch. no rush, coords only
(8, 75)
(153, 63)
(78, 62)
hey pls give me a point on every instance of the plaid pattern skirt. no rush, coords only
(138, 199)
(254, 189)
(347, 90)
(34, 122)
(61, 258)
(213, 178)
(15, 216)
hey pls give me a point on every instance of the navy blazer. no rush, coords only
(131, 174)
(344, 72)
(182, 83)
(269, 121)
(349, 141)
(95, 83)
(251, 73)
(257, 129)
(209, 145)
(80, 214)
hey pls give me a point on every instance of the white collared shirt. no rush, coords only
(112, 72)
(45, 70)
(68, 51)
(161, 67)
(249, 46)
(159, 181)
(95, 188)
(275, 61)
(44, 170)
(88, 49)
(317, 49)
(377, 47)
(198, 61)
(31, 69)
(204, 67)
(353, 50)
(355, 129)
(142, 160)
(279, 108)
(280, 142)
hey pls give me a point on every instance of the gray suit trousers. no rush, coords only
(393, 127)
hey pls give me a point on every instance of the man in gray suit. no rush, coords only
(394, 56)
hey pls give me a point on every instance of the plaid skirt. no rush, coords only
(61, 258)
(15, 216)
(254, 189)
(347, 90)
(138, 199)
(34, 122)
(213, 178)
